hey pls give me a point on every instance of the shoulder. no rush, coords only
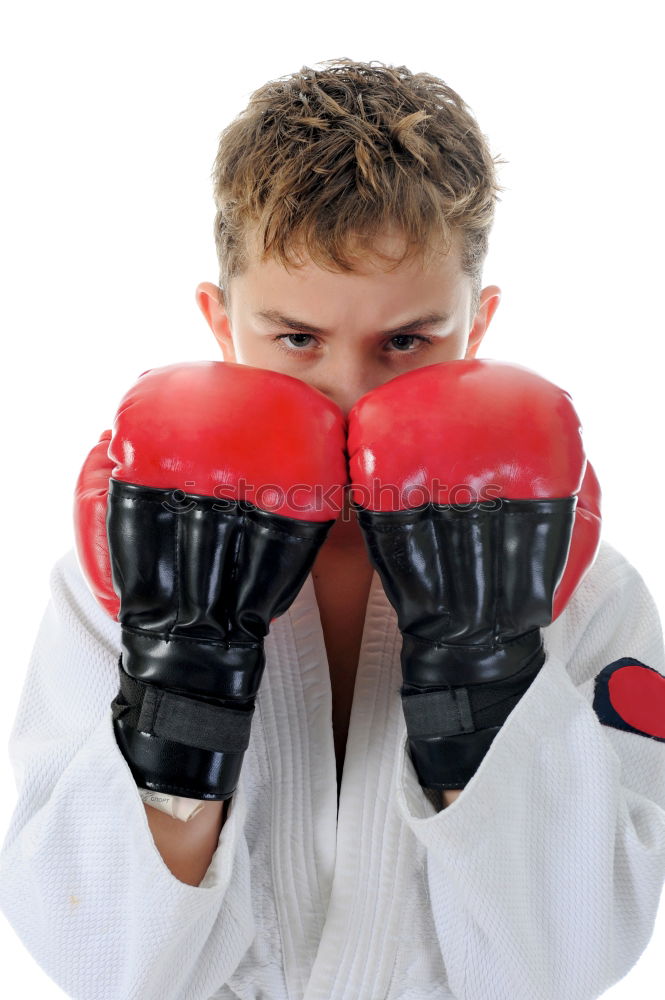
(611, 577)
(75, 608)
(611, 615)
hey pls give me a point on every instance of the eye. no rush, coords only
(294, 342)
(406, 342)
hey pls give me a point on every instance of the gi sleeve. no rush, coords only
(545, 875)
(81, 880)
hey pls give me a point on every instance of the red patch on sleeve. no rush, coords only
(629, 695)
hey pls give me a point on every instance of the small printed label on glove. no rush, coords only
(629, 695)
(173, 805)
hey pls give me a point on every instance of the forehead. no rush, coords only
(372, 295)
(369, 256)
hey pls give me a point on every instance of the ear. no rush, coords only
(489, 302)
(207, 297)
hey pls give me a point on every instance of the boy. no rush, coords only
(536, 875)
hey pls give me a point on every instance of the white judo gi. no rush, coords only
(541, 882)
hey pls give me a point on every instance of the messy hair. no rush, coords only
(326, 160)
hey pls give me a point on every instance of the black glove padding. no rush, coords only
(199, 582)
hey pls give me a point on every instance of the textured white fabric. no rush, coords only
(541, 882)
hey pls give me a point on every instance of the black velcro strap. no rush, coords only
(458, 710)
(171, 716)
(441, 713)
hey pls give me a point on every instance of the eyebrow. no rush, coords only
(428, 320)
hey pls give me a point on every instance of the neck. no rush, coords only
(344, 550)
(346, 536)
(342, 570)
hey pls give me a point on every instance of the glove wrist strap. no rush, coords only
(451, 730)
(179, 745)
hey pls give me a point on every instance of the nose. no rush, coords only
(344, 384)
(345, 395)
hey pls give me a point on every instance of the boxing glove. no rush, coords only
(197, 520)
(481, 514)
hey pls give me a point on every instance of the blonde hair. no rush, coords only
(325, 160)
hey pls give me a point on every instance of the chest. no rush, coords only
(343, 649)
(342, 606)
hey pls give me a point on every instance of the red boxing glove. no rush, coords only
(197, 520)
(481, 514)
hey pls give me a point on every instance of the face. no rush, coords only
(347, 333)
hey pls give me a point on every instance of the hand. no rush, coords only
(197, 520)
(481, 514)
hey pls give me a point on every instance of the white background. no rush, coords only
(111, 114)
